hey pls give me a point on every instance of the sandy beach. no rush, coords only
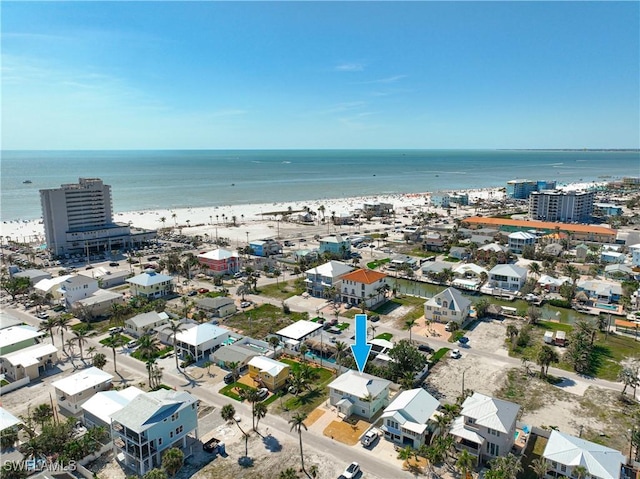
(258, 219)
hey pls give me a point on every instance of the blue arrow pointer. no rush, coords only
(361, 349)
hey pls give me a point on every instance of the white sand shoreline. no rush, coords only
(250, 218)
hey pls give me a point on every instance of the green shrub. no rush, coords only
(560, 303)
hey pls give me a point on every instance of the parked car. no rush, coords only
(192, 293)
(425, 348)
(42, 315)
(245, 304)
(348, 306)
(262, 394)
(369, 438)
(455, 354)
(228, 379)
(115, 330)
(238, 275)
(375, 318)
(351, 470)
(203, 290)
(132, 344)
(114, 263)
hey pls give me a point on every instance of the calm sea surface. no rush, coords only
(143, 180)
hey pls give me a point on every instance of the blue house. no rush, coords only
(266, 247)
(337, 245)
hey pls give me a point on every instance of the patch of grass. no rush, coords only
(213, 294)
(162, 386)
(422, 253)
(385, 336)
(451, 259)
(529, 392)
(456, 335)
(263, 320)
(309, 400)
(282, 290)
(342, 326)
(158, 354)
(437, 356)
(229, 390)
(124, 339)
(379, 262)
(4, 382)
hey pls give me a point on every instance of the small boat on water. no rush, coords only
(27, 182)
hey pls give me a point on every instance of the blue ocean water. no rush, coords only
(144, 180)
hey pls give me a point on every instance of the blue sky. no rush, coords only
(129, 75)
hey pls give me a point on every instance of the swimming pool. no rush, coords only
(515, 436)
(610, 307)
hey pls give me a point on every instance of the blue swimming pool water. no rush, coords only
(315, 357)
(610, 307)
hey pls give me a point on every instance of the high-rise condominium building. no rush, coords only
(566, 206)
(78, 217)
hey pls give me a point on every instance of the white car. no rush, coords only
(245, 304)
(455, 354)
(351, 471)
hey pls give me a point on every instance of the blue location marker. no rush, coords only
(361, 349)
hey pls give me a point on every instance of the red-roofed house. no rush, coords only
(364, 285)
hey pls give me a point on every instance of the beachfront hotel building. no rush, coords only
(557, 205)
(522, 189)
(78, 217)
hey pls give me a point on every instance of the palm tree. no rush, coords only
(163, 220)
(147, 346)
(42, 413)
(114, 342)
(288, 473)
(410, 323)
(150, 363)
(274, 342)
(251, 395)
(63, 325)
(546, 355)
(81, 339)
(406, 453)
(512, 333)
(175, 327)
(340, 350)
(465, 463)
(297, 423)
(540, 467)
(172, 461)
(175, 218)
(259, 412)
(99, 360)
(535, 268)
(313, 470)
(228, 413)
(48, 326)
(233, 367)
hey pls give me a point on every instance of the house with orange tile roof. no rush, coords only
(364, 285)
(578, 232)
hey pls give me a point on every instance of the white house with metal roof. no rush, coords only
(142, 323)
(151, 423)
(507, 276)
(74, 390)
(30, 361)
(520, 239)
(51, 286)
(486, 427)
(294, 334)
(410, 418)
(359, 393)
(319, 279)
(564, 453)
(75, 288)
(449, 305)
(200, 341)
(97, 411)
(18, 337)
(150, 284)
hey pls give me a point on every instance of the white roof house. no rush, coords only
(105, 403)
(149, 278)
(359, 385)
(412, 410)
(11, 337)
(268, 365)
(82, 381)
(201, 340)
(299, 330)
(219, 254)
(51, 285)
(570, 451)
(490, 412)
(30, 356)
(7, 419)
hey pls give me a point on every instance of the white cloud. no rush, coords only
(350, 67)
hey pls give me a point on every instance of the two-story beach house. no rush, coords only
(364, 285)
(151, 423)
(199, 341)
(359, 393)
(97, 411)
(30, 361)
(268, 373)
(145, 322)
(508, 277)
(486, 427)
(449, 305)
(518, 240)
(319, 280)
(337, 245)
(220, 261)
(410, 418)
(150, 284)
(75, 288)
(564, 453)
(73, 391)
(265, 247)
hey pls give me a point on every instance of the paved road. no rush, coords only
(277, 425)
